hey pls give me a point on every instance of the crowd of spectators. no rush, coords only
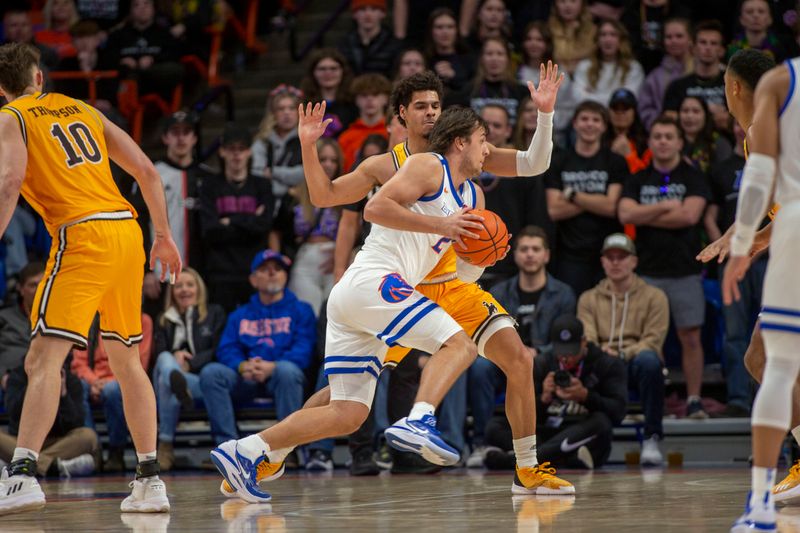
(644, 173)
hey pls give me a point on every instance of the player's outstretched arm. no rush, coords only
(13, 160)
(536, 159)
(324, 192)
(127, 154)
(420, 176)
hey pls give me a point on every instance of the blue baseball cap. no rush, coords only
(270, 255)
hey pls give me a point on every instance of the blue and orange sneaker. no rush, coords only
(240, 472)
(758, 516)
(264, 472)
(421, 437)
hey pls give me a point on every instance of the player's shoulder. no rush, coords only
(778, 79)
(379, 167)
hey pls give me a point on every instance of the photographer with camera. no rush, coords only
(581, 393)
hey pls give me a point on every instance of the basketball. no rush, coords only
(490, 244)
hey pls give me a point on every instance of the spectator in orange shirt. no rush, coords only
(371, 92)
(59, 16)
(628, 136)
(101, 388)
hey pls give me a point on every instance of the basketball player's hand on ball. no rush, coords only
(734, 272)
(311, 126)
(166, 252)
(458, 225)
(544, 96)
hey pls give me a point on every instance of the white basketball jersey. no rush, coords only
(410, 254)
(787, 188)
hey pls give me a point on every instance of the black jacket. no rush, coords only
(70, 414)
(230, 249)
(605, 377)
(377, 56)
(202, 337)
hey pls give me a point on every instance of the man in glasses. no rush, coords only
(666, 202)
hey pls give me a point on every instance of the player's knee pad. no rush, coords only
(773, 405)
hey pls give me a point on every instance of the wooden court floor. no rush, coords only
(613, 500)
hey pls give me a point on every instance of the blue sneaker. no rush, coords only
(240, 472)
(421, 437)
(760, 517)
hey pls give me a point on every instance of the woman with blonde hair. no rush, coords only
(186, 338)
(59, 16)
(573, 33)
(311, 234)
(276, 150)
(612, 66)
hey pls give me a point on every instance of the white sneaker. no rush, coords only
(651, 453)
(149, 495)
(19, 493)
(759, 515)
(146, 522)
(585, 457)
(82, 465)
(475, 459)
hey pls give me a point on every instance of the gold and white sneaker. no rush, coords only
(541, 480)
(789, 488)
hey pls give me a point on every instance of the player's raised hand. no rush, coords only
(312, 126)
(544, 96)
(458, 225)
(166, 252)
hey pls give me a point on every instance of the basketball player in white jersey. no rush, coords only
(374, 306)
(775, 145)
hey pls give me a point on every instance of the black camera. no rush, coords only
(562, 379)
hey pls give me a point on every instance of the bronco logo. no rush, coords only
(394, 289)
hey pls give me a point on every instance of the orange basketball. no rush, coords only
(491, 243)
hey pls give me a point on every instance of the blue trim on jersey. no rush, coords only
(780, 327)
(364, 370)
(474, 194)
(392, 341)
(792, 77)
(433, 196)
(400, 317)
(446, 165)
(353, 359)
(781, 311)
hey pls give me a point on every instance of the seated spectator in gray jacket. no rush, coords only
(186, 338)
(15, 323)
(629, 319)
(534, 299)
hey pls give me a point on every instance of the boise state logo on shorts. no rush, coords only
(394, 289)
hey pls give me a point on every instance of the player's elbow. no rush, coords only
(320, 200)
(372, 210)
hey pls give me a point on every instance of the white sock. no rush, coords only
(692, 399)
(149, 456)
(796, 435)
(421, 409)
(24, 453)
(277, 456)
(763, 480)
(525, 451)
(253, 447)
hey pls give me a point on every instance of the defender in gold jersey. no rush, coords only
(417, 102)
(55, 150)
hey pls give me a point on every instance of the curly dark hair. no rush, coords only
(455, 122)
(405, 89)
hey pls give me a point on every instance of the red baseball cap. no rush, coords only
(355, 5)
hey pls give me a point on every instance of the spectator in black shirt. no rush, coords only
(235, 220)
(581, 393)
(145, 51)
(665, 202)
(707, 80)
(583, 187)
(328, 78)
(740, 315)
(371, 47)
(446, 53)
(534, 298)
(17, 28)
